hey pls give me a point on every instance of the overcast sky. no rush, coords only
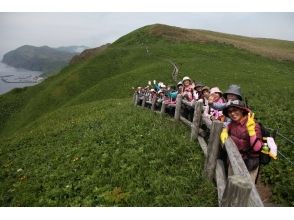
(95, 29)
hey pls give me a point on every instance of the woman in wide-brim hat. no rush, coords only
(205, 92)
(215, 97)
(198, 91)
(233, 93)
(187, 90)
(246, 134)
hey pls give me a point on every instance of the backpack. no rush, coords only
(267, 139)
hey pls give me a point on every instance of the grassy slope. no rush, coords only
(82, 156)
(125, 64)
(271, 48)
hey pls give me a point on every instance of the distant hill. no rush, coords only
(72, 49)
(45, 59)
(88, 53)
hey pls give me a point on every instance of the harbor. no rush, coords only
(11, 78)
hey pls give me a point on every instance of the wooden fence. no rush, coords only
(235, 190)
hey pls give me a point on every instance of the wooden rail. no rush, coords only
(239, 168)
(235, 190)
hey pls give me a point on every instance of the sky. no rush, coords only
(94, 29)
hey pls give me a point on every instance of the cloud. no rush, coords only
(94, 29)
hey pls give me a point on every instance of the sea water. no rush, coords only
(11, 77)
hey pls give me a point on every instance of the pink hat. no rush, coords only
(215, 89)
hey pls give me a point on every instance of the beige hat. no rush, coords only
(205, 88)
(186, 78)
(215, 89)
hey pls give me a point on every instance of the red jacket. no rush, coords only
(238, 132)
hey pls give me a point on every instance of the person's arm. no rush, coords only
(206, 112)
(256, 140)
(218, 106)
(254, 132)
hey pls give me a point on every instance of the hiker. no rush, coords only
(171, 93)
(156, 86)
(187, 91)
(161, 96)
(233, 93)
(152, 94)
(147, 92)
(140, 91)
(246, 134)
(180, 87)
(215, 97)
(205, 95)
(198, 91)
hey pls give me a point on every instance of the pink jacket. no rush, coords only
(188, 92)
(209, 111)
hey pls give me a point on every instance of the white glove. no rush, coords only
(228, 103)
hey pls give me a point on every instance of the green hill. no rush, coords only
(85, 112)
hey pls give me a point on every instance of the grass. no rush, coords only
(81, 156)
(271, 48)
(106, 80)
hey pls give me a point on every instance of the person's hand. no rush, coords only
(212, 118)
(224, 135)
(228, 103)
(210, 99)
(251, 124)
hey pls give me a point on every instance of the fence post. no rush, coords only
(163, 106)
(136, 99)
(153, 103)
(237, 192)
(178, 107)
(239, 168)
(213, 148)
(196, 120)
(143, 101)
(220, 179)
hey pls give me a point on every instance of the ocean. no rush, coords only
(11, 78)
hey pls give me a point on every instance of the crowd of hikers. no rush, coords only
(228, 107)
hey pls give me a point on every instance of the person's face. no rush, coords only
(198, 89)
(235, 114)
(216, 95)
(180, 88)
(232, 97)
(186, 83)
(206, 93)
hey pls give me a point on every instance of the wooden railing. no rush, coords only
(235, 190)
